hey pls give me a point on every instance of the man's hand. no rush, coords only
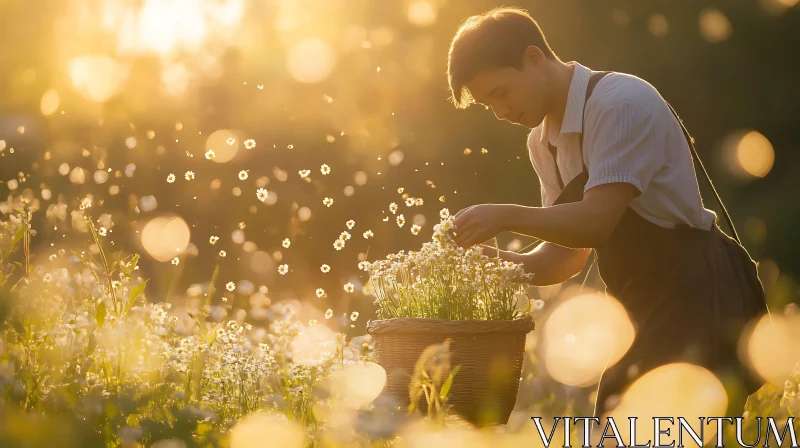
(478, 223)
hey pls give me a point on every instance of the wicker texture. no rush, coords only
(490, 353)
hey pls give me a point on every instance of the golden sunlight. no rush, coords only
(165, 237)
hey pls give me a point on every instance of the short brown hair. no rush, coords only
(497, 38)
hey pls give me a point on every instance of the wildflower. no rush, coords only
(328, 201)
(48, 278)
(344, 235)
(419, 202)
(409, 202)
(170, 178)
(230, 141)
(368, 234)
(210, 154)
(312, 322)
(415, 229)
(349, 287)
(85, 203)
(329, 313)
(242, 175)
(320, 293)
(350, 224)
(213, 239)
(400, 190)
(222, 253)
(175, 261)
(102, 231)
(230, 286)
(354, 316)
(537, 304)
(262, 194)
(53, 257)
(283, 269)
(325, 268)
(249, 143)
(286, 243)
(304, 173)
(401, 220)
(189, 175)
(444, 213)
(393, 208)
(338, 244)
(325, 169)
(484, 151)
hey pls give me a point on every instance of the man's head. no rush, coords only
(500, 59)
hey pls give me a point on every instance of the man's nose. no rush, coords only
(500, 111)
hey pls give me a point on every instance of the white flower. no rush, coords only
(286, 243)
(537, 304)
(250, 143)
(175, 261)
(230, 286)
(354, 316)
(350, 224)
(368, 234)
(363, 265)
(304, 173)
(329, 313)
(47, 278)
(320, 293)
(171, 178)
(415, 229)
(222, 253)
(338, 244)
(349, 287)
(243, 175)
(409, 202)
(328, 202)
(210, 154)
(444, 213)
(283, 269)
(393, 208)
(419, 202)
(344, 235)
(401, 220)
(325, 169)
(230, 141)
(213, 239)
(189, 175)
(325, 268)
(262, 194)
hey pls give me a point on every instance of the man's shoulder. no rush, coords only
(618, 88)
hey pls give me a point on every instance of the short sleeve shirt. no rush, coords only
(631, 136)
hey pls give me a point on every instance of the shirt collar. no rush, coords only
(573, 113)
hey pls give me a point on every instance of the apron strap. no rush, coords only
(696, 158)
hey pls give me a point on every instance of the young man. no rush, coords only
(616, 174)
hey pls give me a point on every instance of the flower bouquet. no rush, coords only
(447, 293)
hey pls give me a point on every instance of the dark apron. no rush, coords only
(688, 292)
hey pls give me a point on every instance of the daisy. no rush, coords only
(47, 278)
(415, 229)
(338, 244)
(325, 169)
(175, 261)
(329, 313)
(210, 154)
(537, 304)
(484, 151)
(213, 239)
(409, 202)
(250, 143)
(401, 220)
(304, 173)
(328, 201)
(283, 269)
(325, 268)
(262, 194)
(363, 265)
(286, 243)
(344, 235)
(222, 253)
(444, 213)
(349, 287)
(230, 140)
(243, 175)
(312, 322)
(419, 202)
(393, 208)
(354, 316)
(102, 231)
(230, 286)
(400, 190)
(368, 234)
(171, 178)
(350, 224)
(320, 293)
(189, 175)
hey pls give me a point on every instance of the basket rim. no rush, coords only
(421, 325)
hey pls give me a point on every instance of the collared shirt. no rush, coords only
(630, 136)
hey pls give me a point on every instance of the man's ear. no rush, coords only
(534, 54)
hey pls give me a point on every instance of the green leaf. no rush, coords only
(100, 315)
(448, 383)
(17, 238)
(135, 292)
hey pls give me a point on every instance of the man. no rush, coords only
(616, 174)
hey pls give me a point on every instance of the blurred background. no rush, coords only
(117, 101)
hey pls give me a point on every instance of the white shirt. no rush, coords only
(632, 137)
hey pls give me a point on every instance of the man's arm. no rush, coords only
(550, 263)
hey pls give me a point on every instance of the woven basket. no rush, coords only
(490, 353)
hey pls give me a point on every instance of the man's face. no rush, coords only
(517, 96)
